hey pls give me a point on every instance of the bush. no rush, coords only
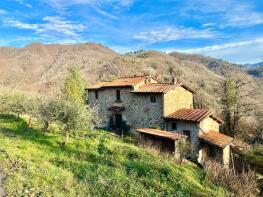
(240, 184)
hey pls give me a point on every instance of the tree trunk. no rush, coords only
(66, 139)
(46, 126)
(30, 122)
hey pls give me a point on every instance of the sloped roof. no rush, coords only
(195, 115)
(216, 138)
(155, 88)
(160, 133)
(97, 85)
(117, 106)
(121, 82)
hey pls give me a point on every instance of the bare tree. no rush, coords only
(236, 102)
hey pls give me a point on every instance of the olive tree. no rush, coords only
(74, 113)
(184, 149)
(32, 108)
(74, 117)
(48, 111)
(4, 102)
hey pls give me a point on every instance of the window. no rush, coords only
(188, 134)
(211, 152)
(96, 94)
(118, 95)
(153, 99)
(174, 126)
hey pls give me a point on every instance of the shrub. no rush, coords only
(240, 184)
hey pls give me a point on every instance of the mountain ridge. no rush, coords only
(41, 68)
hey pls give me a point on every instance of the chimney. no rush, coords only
(174, 80)
(157, 76)
(148, 79)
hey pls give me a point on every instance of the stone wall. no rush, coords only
(195, 129)
(176, 99)
(139, 110)
(188, 126)
(204, 153)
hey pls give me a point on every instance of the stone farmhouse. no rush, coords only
(141, 103)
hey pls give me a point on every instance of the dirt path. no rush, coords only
(2, 192)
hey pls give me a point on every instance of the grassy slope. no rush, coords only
(97, 165)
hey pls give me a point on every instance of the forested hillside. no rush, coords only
(41, 68)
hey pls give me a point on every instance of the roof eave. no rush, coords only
(222, 147)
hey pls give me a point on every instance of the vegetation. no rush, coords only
(254, 157)
(74, 87)
(214, 80)
(94, 163)
(240, 184)
(184, 149)
(257, 71)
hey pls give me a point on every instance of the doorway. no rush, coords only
(118, 121)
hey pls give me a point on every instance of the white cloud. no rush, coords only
(176, 33)
(20, 24)
(229, 13)
(115, 3)
(22, 2)
(249, 51)
(99, 6)
(2, 12)
(52, 26)
(57, 25)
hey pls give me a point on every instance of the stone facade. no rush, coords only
(195, 129)
(182, 126)
(139, 110)
(141, 102)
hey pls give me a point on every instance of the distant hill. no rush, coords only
(254, 65)
(41, 68)
(256, 71)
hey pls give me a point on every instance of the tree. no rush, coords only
(258, 131)
(17, 103)
(228, 103)
(48, 111)
(236, 103)
(74, 116)
(74, 86)
(32, 108)
(184, 149)
(4, 102)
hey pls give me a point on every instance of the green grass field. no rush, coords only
(96, 164)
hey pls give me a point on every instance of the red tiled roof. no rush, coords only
(97, 85)
(121, 82)
(155, 88)
(160, 133)
(216, 138)
(195, 115)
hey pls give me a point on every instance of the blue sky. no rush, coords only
(228, 29)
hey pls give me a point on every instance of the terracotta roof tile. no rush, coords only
(195, 115)
(160, 133)
(97, 85)
(121, 82)
(216, 138)
(155, 88)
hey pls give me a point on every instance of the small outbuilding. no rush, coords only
(159, 139)
(215, 146)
